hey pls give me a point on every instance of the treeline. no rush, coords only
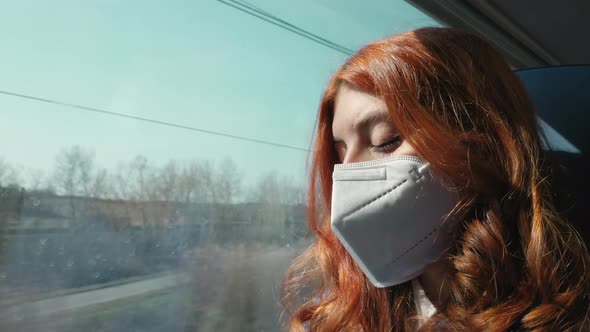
(139, 192)
(76, 173)
(81, 224)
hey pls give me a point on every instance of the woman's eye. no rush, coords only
(389, 145)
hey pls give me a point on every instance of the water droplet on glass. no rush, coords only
(3, 275)
(70, 263)
(35, 201)
(97, 275)
(157, 245)
(98, 256)
(51, 264)
(43, 241)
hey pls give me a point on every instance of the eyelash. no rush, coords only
(389, 145)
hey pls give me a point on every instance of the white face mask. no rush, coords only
(389, 215)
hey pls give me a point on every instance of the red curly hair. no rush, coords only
(516, 262)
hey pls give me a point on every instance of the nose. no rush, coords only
(355, 155)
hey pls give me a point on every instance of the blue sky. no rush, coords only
(198, 63)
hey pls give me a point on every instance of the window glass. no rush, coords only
(153, 155)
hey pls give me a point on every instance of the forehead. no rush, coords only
(354, 108)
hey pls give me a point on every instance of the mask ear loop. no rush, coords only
(417, 173)
(421, 168)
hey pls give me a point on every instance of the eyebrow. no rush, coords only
(374, 116)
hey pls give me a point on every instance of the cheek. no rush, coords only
(405, 149)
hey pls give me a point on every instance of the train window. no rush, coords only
(152, 169)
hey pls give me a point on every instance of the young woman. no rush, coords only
(430, 200)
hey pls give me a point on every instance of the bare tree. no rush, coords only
(228, 182)
(188, 182)
(100, 185)
(11, 196)
(195, 183)
(73, 172)
(8, 174)
(274, 189)
(167, 181)
(206, 182)
(121, 183)
(143, 175)
(36, 180)
(76, 176)
(135, 180)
